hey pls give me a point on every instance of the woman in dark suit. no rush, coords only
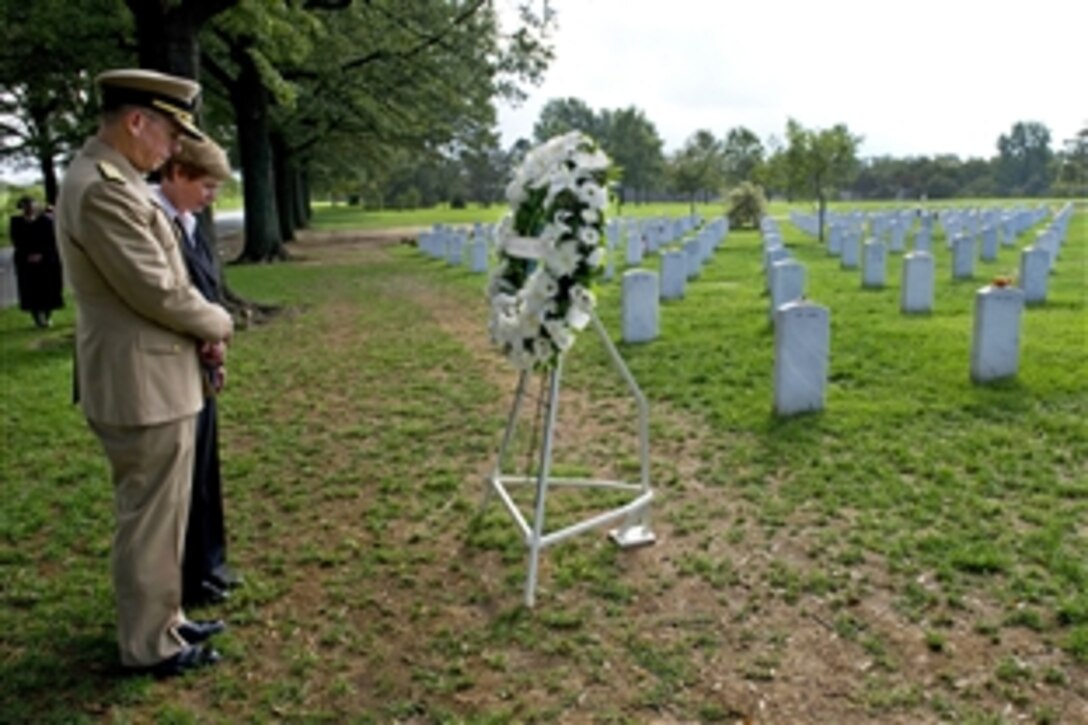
(37, 264)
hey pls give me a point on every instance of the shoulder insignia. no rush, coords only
(111, 172)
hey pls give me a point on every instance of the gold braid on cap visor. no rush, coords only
(179, 113)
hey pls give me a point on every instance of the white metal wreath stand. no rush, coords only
(633, 531)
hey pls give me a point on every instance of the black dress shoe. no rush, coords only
(190, 658)
(208, 593)
(225, 578)
(200, 630)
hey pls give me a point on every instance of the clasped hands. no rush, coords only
(214, 356)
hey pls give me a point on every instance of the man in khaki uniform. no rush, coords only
(141, 328)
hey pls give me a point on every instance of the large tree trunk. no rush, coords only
(283, 174)
(302, 198)
(49, 176)
(166, 39)
(166, 33)
(250, 98)
(823, 214)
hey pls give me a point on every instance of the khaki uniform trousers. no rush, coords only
(152, 468)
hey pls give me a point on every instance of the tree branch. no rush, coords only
(217, 71)
(204, 10)
(427, 40)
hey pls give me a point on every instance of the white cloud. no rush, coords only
(919, 78)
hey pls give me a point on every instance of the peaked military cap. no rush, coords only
(173, 96)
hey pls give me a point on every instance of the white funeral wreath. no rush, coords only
(550, 247)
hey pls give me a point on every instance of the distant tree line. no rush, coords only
(814, 163)
(392, 104)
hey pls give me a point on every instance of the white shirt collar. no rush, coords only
(186, 219)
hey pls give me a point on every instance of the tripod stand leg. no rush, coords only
(542, 483)
(508, 435)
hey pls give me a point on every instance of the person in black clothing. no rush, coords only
(37, 264)
(189, 182)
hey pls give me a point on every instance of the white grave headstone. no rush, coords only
(963, 257)
(874, 265)
(916, 293)
(640, 305)
(802, 345)
(454, 250)
(835, 234)
(693, 255)
(995, 344)
(774, 254)
(849, 257)
(674, 274)
(478, 255)
(899, 231)
(923, 241)
(634, 249)
(989, 244)
(787, 283)
(1034, 266)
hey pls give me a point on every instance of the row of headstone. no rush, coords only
(989, 228)
(682, 260)
(1008, 224)
(784, 277)
(456, 247)
(1038, 260)
(1035, 262)
(643, 289)
(641, 237)
(802, 329)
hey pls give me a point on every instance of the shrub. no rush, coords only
(747, 205)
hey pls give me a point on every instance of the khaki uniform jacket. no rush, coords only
(139, 320)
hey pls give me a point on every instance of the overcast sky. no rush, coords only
(923, 77)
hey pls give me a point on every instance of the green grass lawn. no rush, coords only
(916, 552)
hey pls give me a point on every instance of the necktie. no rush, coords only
(181, 231)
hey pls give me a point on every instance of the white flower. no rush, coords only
(515, 192)
(560, 335)
(582, 298)
(595, 161)
(593, 195)
(577, 319)
(560, 180)
(563, 259)
(590, 236)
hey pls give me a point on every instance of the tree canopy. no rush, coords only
(698, 167)
(818, 162)
(52, 49)
(1023, 164)
(316, 91)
